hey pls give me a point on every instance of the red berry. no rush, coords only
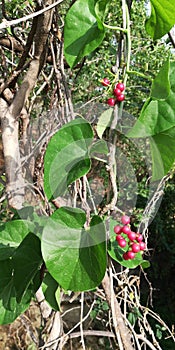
(130, 254)
(120, 86)
(125, 229)
(132, 236)
(120, 97)
(111, 101)
(105, 82)
(139, 237)
(125, 256)
(135, 247)
(117, 229)
(125, 220)
(119, 237)
(122, 243)
(117, 92)
(142, 246)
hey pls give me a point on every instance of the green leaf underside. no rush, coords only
(104, 121)
(157, 121)
(83, 32)
(162, 18)
(75, 257)
(66, 157)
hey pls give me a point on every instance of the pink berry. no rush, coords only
(120, 97)
(125, 220)
(105, 82)
(122, 243)
(142, 246)
(117, 229)
(135, 247)
(125, 229)
(120, 86)
(130, 254)
(139, 237)
(132, 236)
(111, 101)
(117, 92)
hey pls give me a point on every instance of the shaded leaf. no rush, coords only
(10, 309)
(26, 261)
(50, 289)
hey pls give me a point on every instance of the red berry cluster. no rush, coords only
(118, 92)
(135, 240)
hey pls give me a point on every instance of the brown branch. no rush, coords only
(7, 42)
(6, 23)
(10, 114)
(121, 327)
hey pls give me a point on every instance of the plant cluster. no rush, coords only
(117, 90)
(128, 238)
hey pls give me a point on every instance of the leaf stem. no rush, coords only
(142, 75)
(115, 28)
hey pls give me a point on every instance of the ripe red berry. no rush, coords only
(130, 254)
(132, 236)
(122, 243)
(117, 92)
(119, 237)
(120, 86)
(111, 101)
(125, 229)
(125, 256)
(142, 246)
(120, 97)
(125, 220)
(105, 82)
(139, 237)
(117, 229)
(135, 247)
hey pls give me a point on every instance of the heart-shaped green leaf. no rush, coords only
(83, 30)
(74, 256)
(67, 157)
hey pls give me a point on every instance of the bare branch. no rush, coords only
(6, 24)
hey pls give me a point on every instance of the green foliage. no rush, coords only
(157, 120)
(104, 121)
(83, 30)
(74, 256)
(72, 246)
(162, 18)
(66, 157)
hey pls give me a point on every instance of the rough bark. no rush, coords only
(10, 113)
